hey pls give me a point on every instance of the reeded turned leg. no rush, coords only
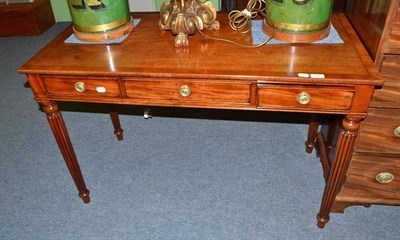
(115, 121)
(60, 133)
(312, 133)
(340, 165)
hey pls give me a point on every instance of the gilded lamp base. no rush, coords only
(184, 17)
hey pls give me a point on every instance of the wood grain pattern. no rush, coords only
(393, 46)
(66, 86)
(378, 148)
(150, 52)
(389, 95)
(201, 90)
(368, 19)
(361, 186)
(377, 134)
(276, 96)
(60, 132)
(339, 167)
(148, 69)
(385, 47)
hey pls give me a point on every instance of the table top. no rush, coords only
(150, 52)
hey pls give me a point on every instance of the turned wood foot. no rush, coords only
(339, 167)
(85, 196)
(312, 133)
(322, 220)
(115, 121)
(60, 133)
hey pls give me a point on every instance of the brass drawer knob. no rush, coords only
(397, 131)
(80, 86)
(184, 91)
(304, 98)
(384, 177)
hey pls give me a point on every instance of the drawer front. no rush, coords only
(394, 37)
(82, 87)
(380, 132)
(189, 91)
(389, 95)
(361, 182)
(295, 97)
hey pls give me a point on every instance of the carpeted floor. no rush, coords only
(184, 174)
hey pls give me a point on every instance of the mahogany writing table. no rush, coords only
(146, 69)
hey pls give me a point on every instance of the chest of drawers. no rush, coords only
(377, 151)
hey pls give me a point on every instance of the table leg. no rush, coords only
(60, 133)
(115, 121)
(312, 133)
(344, 151)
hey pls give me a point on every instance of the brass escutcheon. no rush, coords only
(184, 91)
(80, 86)
(384, 177)
(304, 98)
(397, 131)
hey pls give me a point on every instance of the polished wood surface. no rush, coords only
(361, 186)
(389, 95)
(339, 167)
(60, 132)
(150, 52)
(378, 148)
(323, 98)
(379, 129)
(146, 69)
(393, 45)
(26, 19)
(368, 18)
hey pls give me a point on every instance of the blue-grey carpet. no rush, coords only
(185, 174)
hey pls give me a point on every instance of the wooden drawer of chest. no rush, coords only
(389, 95)
(393, 45)
(180, 91)
(83, 87)
(362, 184)
(380, 132)
(304, 97)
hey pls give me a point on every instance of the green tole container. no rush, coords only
(304, 19)
(100, 19)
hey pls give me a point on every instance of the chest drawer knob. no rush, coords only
(397, 131)
(184, 91)
(304, 98)
(384, 177)
(80, 86)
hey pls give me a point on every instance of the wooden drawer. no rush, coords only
(289, 97)
(362, 186)
(378, 132)
(393, 45)
(189, 90)
(389, 95)
(87, 87)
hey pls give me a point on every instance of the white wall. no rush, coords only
(142, 5)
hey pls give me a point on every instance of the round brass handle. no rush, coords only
(397, 131)
(184, 91)
(384, 177)
(304, 98)
(80, 86)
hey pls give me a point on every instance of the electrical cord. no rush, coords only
(241, 21)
